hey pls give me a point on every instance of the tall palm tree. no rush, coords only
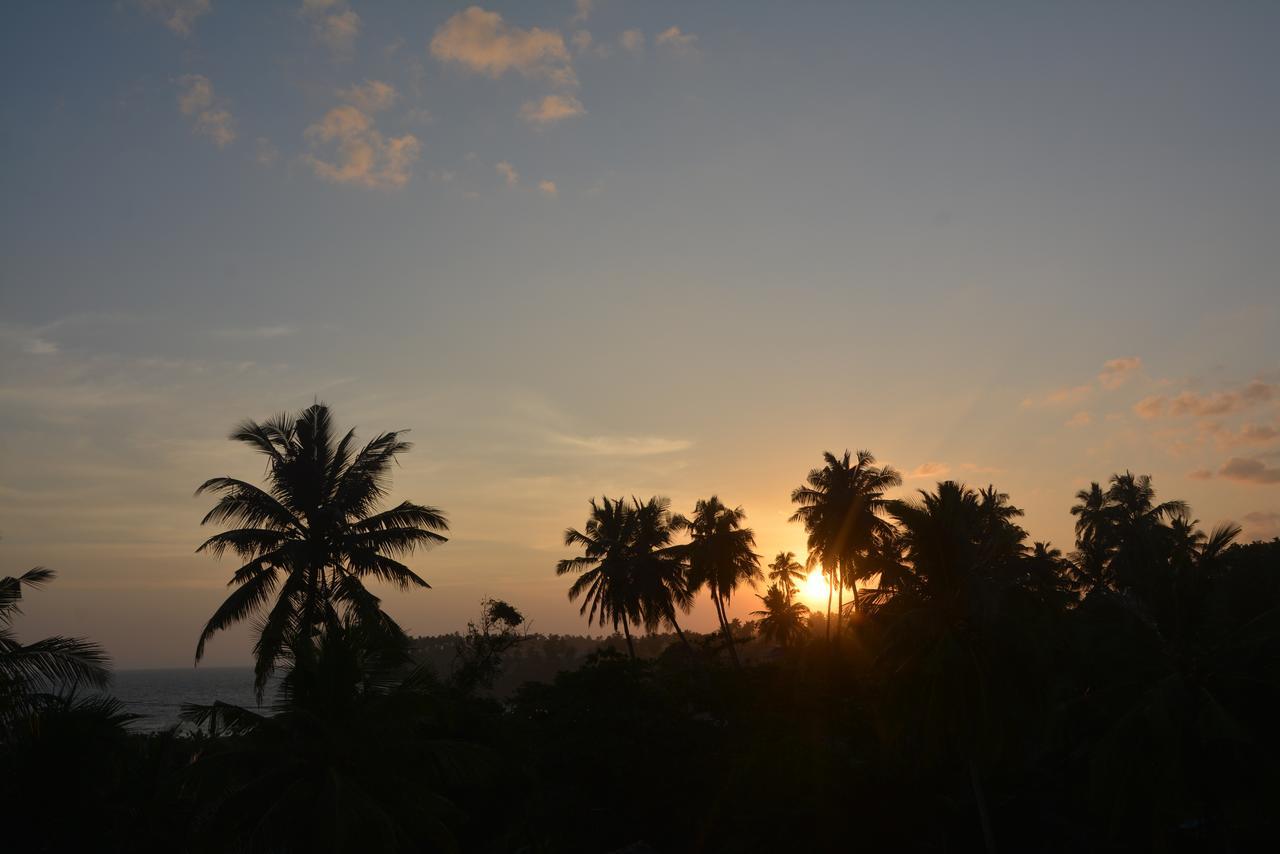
(841, 506)
(313, 536)
(607, 582)
(720, 556)
(658, 569)
(32, 673)
(787, 573)
(781, 621)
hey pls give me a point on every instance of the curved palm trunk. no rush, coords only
(728, 633)
(676, 625)
(626, 632)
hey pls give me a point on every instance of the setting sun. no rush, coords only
(813, 589)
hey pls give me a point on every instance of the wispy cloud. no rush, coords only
(210, 117)
(334, 24)
(551, 109)
(178, 15)
(632, 41)
(929, 470)
(548, 188)
(508, 173)
(359, 154)
(582, 10)
(673, 40)
(1191, 403)
(622, 446)
(1117, 372)
(371, 96)
(482, 43)
(279, 330)
(1245, 470)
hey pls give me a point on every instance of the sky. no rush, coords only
(622, 248)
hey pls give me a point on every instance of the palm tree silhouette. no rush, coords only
(607, 585)
(31, 674)
(720, 556)
(787, 573)
(782, 621)
(841, 506)
(313, 536)
(658, 569)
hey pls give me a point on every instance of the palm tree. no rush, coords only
(658, 569)
(720, 556)
(606, 584)
(313, 535)
(31, 674)
(841, 506)
(786, 572)
(782, 621)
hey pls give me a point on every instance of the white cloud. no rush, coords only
(632, 41)
(675, 41)
(482, 43)
(364, 157)
(623, 446)
(548, 187)
(508, 173)
(178, 15)
(551, 109)
(372, 96)
(209, 117)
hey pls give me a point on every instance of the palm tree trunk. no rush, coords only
(728, 633)
(675, 625)
(839, 600)
(830, 583)
(626, 632)
(976, 784)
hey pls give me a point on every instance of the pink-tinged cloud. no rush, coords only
(1117, 372)
(352, 151)
(1249, 471)
(929, 470)
(551, 109)
(482, 43)
(675, 41)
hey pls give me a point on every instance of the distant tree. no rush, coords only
(841, 506)
(479, 652)
(33, 674)
(314, 536)
(781, 621)
(720, 556)
(787, 573)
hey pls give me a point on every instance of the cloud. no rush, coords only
(671, 39)
(1200, 474)
(178, 15)
(334, 24)
(482, 43)
(1080, 419)
(365, 158)
(548, 187)
(1200, 405)
(551, 109)
(372, 96)
(929, 470)
(264, 152)
(209, 117)
(581, 11)
(622, 446)
(1249, 471)
(508, 173)
(632, 41)
(1262, 523)
(1117, 372)
(1059, 397)
(581, 41)
(28, 341)
(279, 330)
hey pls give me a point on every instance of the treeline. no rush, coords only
(965, 688)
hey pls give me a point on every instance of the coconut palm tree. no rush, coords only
(313, 535)
(781, 621)
(841, 505)
(33, 673)
(720, 556)
(658, 569)
(787, 573)
(606, 584)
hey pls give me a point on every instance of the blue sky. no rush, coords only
(681, 254)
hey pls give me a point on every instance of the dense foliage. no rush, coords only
(971, 690)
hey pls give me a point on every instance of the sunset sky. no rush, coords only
(619, 248)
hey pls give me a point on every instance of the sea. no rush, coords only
(156, 696)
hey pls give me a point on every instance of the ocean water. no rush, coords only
(157, 696)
